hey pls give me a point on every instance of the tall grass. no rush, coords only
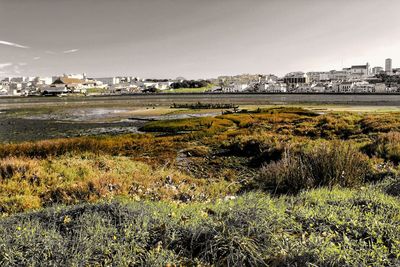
(326, 164)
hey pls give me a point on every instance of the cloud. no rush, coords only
(70, 51)
(50, 52)
(36, 58)
(5, 65)
(22, 63)
(13, 44)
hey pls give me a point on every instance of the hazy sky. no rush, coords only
(194, 38)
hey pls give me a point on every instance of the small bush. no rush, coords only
(324, 165)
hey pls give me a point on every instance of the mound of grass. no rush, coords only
(386, 146)
(321, 227)
(325, 164)
(381, 123)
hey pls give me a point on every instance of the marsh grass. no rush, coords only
(326, 164)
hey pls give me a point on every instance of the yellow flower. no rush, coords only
(67, 219)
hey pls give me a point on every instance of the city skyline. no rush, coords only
(193, 39)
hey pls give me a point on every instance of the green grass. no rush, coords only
(323, 227)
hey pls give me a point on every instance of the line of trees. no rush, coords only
(190, 84)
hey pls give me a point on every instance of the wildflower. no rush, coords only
(67, 219)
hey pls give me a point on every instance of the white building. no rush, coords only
(318, 88)
(359, 71)
(344, 87)
(109, 80)
(235, 87)
(377, 70)
(273, 87)
(42, 80)
(363, 87)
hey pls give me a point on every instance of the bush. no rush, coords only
(386, 146)
(324, 165)
(260, 148)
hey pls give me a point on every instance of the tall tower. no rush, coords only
(388, 65)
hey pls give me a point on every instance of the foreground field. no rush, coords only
(336, 227)
(275, 186)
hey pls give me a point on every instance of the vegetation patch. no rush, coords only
(187, 125)
(323, 165)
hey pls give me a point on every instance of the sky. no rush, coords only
(194, 38)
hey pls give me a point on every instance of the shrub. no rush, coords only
(386, 146)
(324, 165)
(260, 147)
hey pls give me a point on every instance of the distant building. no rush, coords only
(109, 80)
(64, 85)
(42, 80)
(344, 87)
(294, 79)
(273, 87)
(338, 75)
(315, 76)
(359, 71)
(19, 79)
(363, 87)
(388, 66)
(377, 70)
(318, 88)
